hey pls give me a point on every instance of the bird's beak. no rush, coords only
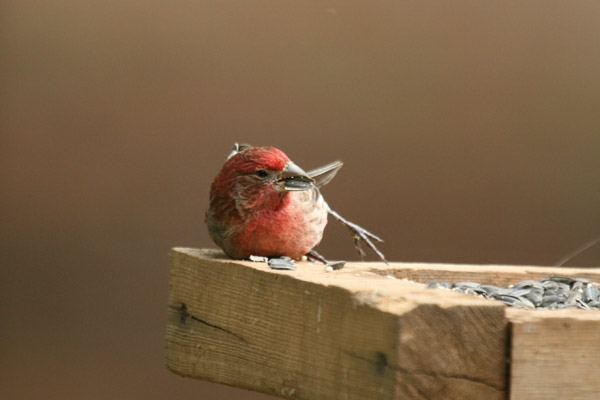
(294, 178)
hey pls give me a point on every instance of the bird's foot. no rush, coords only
(335, 265)
(360, 234)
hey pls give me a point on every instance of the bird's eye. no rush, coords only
(261, 173)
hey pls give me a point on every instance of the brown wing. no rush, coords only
(323, 175)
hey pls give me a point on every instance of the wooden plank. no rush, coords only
(349, 334)
(501, 275)
(555, 354)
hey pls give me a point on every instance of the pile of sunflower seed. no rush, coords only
(552, 293)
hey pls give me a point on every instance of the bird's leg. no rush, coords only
(358, 234)
(314, 256)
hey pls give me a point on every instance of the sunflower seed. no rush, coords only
(551, 293)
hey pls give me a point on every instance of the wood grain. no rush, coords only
(555, 354)
(349, 334)
(500, 275)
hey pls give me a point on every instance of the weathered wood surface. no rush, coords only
(349, 334)
(358, 334)
(555, 354)
(500, 275)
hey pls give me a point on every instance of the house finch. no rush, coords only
(262, 204)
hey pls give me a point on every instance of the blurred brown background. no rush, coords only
(470, 132)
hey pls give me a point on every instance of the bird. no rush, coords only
(265, 207)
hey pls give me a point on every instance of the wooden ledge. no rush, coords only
(500, 275)
(357, 333)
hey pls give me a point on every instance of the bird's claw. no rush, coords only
(360, 234)
(335, 265)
